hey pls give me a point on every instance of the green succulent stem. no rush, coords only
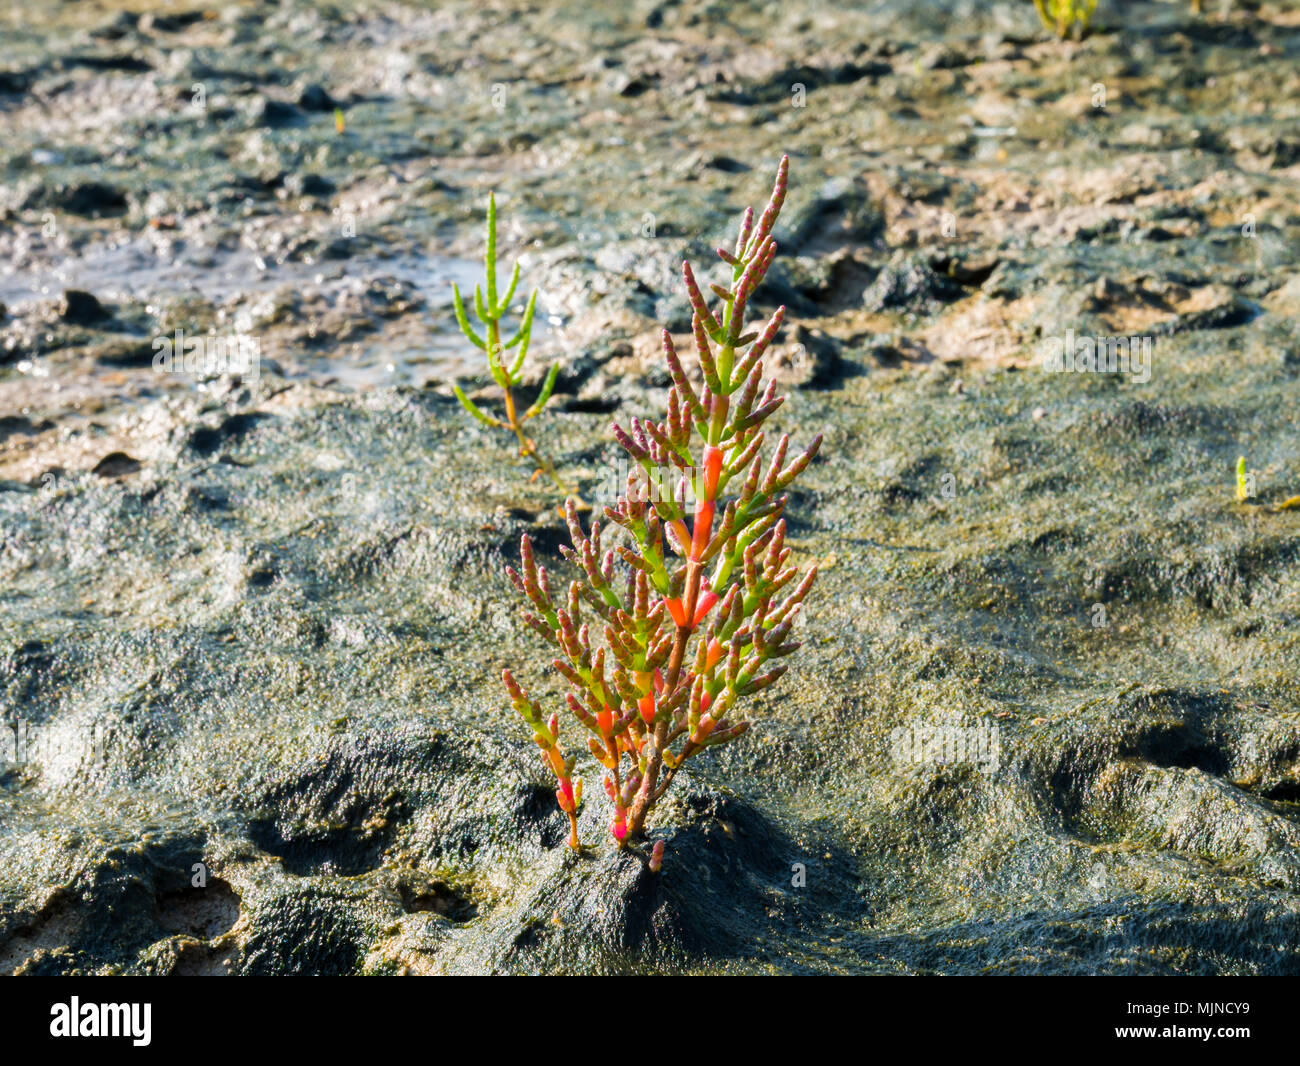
(527, 446)
(489, 310)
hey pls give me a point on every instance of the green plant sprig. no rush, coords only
(1243, 480)
(1065, 15)
(490, 310)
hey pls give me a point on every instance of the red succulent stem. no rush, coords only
(687, 621)
(704, 509)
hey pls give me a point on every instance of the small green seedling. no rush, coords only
(490, 310)
(1246, 489)
(1066, 15)
(1245, 481)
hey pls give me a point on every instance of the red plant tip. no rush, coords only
(556, 760)
(714, 654)
(712, 470)
(706, 726)
(657, 857)
(703, 606)
(707, 599)
(676, 609)
(618, 830)
(564, 797)
(647, 708)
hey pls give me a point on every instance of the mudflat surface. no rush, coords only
(1046, 718)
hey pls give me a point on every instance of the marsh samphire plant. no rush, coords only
(1066, 15)
(490, 310)
(666, 632)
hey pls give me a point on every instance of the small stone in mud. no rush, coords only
(908, 283)
(116, 464)
(314, 98)
(626, 84)
(13, 82)
(81, 308)
(156, 22)
(268, 112)
(11, 425)
(309, 185)
(122, 351)
(87, 198)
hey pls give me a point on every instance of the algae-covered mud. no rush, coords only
(253, 615)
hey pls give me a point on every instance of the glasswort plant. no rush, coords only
(708, 603)
(489, 311)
